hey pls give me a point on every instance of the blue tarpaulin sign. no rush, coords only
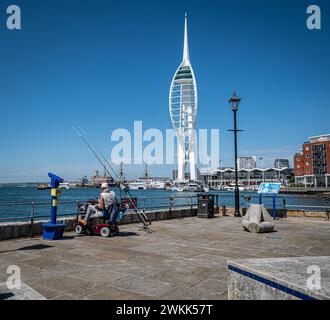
(270, 188)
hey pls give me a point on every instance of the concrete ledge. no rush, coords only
(308, 214)
(280, 213)
(279, 279)
(14, 230)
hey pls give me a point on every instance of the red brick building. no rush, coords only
(312, 164)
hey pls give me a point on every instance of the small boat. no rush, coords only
(137, 185)
(64, 185)
(232, 187)
(189, 187)
(43, 186)
(193, 187)
(156, 185)
(177, 189)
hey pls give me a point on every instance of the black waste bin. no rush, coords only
(205, 203)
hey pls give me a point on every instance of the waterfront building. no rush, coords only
(247, 162)
(183, 110)
(312, 163)
(249, 178)
(281, 163)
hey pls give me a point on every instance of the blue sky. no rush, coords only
(103, 64)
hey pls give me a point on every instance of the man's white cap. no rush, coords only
(104, 186)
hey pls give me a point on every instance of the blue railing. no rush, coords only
(36, 211)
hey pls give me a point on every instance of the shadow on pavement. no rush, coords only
(127, 234)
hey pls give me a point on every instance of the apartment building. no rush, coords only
(312, 163)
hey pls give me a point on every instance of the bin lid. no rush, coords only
(205, 195)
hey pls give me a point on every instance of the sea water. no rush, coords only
(20, 200)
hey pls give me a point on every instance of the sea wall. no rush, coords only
(15, 230)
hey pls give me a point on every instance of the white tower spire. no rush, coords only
(186, 58)
(183, 110)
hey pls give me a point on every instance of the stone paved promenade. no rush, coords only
(182, 259)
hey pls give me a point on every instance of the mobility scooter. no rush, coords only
(105, 226)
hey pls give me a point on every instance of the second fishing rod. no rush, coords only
(98, 154)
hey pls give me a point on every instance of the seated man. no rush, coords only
(106, 200)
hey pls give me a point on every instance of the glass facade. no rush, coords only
(183, 99)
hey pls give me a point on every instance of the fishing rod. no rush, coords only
(143, 216)
(91, 149)
(98, 154)
(122, 188)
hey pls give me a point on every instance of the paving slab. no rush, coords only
(25, 292)
(144, 286)
(182, 259)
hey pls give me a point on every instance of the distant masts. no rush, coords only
(121, 172)
(146, 174)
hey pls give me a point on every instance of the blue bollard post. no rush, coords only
(52, 230)
(274, 206)
(260, 199)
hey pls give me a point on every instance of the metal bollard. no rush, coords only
(326, 207)
(274, 206)
(217, 201)
(32, 221)
(171, 198)
(284, 208)
(77, 213)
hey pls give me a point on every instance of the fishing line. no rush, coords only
(100, 153)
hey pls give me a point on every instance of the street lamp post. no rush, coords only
(234, 103)
(262, 166)
(210, 174)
